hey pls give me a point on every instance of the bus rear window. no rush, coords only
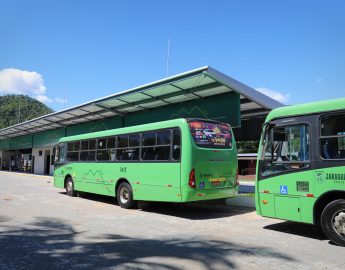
(211, 135)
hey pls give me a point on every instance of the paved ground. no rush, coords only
(42, 228)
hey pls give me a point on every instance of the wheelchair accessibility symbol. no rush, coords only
(283, 190)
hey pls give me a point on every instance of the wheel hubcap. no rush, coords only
(124, 195)
(339, 223)
(69, 186)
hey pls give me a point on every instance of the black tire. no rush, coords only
(124, 196)
(333, 221)
(70, 187)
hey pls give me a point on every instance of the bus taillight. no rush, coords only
(191, 182)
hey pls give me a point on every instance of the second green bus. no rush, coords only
(180, 160)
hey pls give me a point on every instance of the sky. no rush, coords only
(65, 53)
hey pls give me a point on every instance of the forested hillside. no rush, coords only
(15, 109)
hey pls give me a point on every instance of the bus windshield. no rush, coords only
(211, 135)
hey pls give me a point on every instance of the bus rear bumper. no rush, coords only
(192, 195)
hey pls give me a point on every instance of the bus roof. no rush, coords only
(131, 129)
(307, 108)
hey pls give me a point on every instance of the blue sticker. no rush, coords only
(202, 185)
(283, 189)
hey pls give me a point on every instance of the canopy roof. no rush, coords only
(192, 85)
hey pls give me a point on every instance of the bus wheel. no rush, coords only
(125, 196)
(333, 221)
(70, 187)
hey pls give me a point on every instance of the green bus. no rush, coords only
(301, 166)
(181, 160)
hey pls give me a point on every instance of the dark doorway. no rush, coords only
(47, 165)
(33, 164)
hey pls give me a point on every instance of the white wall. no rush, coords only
(40, 161)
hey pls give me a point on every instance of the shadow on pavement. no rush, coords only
(50, 243)
(196, 211)
(94, 197)
(296, 228)
(193, 211)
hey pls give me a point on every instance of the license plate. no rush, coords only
(216, 183)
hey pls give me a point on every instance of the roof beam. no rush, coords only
(156, 98)
(109, 109)
(64, 119)
(49, 121)
(16, 128)
(130, 104)
(173, 85)
(254, 112)
(166, 96)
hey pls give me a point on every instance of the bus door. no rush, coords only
(283, 176)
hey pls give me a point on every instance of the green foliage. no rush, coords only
(15, 109)
(247, 146)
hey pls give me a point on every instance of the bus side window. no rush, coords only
(148, 149)
(62, 153)
(176, 144)
(332, 137)
(73, 151)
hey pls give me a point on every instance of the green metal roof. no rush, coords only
(307, 108)
(192, 85)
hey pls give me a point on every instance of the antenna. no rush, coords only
(168, 56)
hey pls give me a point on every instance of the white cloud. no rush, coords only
(16, 81)
(283, 98)
(60, 100)
(43, 99)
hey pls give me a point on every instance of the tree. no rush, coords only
(16, 109)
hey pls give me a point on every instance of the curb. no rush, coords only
(28, 174)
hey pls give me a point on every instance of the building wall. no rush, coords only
(6, 157)
(211, 107)
(40, 161)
